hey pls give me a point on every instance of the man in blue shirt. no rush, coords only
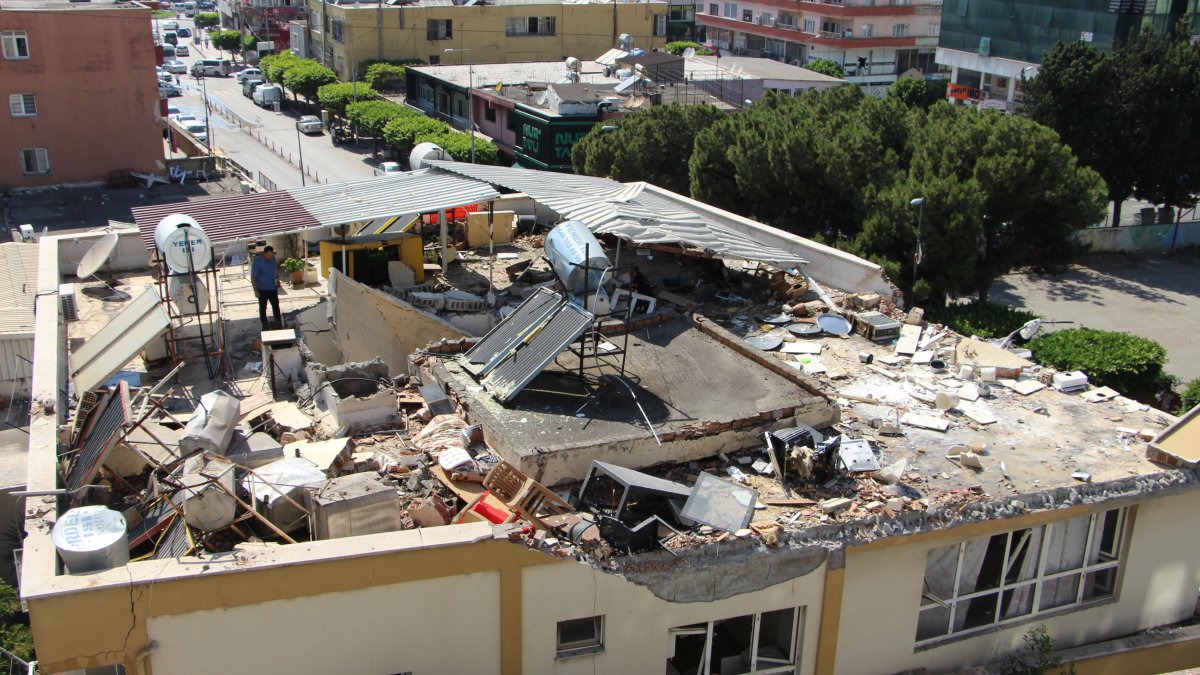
(264, 279)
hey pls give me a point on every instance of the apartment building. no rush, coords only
(874, 41)
(82, 98)
(267, 19)
(507, 31)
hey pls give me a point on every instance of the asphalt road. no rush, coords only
(1151, 295)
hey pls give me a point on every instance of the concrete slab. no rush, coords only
(1154, 296)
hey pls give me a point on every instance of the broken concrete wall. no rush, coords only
(370, 323)
(317, 330)
(356, 393)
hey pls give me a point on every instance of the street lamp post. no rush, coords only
(207, 127)
(918, 202)
(300, 148)
(470, 99)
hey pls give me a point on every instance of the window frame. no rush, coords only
(899, 30)
(1109, 562)
(593, 645)
(11, 42)
(660, 25)
(729, 10)
(42, 153)
(439, 29)
(778, 666)
(14, 99)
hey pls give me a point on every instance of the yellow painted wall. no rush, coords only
(883, 588)
(382, 629)
(410, 254)
(581, 30)
(637, 623)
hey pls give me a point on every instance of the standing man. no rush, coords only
(264, 279)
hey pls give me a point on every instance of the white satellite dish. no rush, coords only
(689, 53)
(541, 99)
(96, 257)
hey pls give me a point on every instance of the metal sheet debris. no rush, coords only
(720, 503)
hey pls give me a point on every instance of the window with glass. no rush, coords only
(900, 30)
(580, 636)
(1013, 576)
(935, 29)
(768, 642)
(660, 24)
(35, 160)
(714, 9)
(533, 25)
(868, 30)
(810, 25)
(15, 44)
(336, 28)
(438, 29)
(731, 10)
(22, 105)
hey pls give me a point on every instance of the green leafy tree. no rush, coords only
(826, 67)
(15, 635)
(384, 76)
(306, 78)
(370, 117)
(677, 48)
(1191, 395)
(336, 96)
(645, 145)
(918, 93)
(458, 145)
(250, 42)
(227, 40)
(402, 132)
(275, 66)
(206, 20)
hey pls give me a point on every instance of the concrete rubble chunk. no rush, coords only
(834, 505)
(430, 512)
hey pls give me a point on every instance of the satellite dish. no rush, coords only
(541, 99)
(97, 256)
(573, 64)
(689, 52)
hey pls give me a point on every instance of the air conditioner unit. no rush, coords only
(66, 299)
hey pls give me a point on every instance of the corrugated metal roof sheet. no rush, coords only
(230, 218)
(383, 196)
(248, 216)
(18, 286)
(626, 211)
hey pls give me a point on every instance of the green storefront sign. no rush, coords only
(546, 143)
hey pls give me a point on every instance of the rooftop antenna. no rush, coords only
(96, 258)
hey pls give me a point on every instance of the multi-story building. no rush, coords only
(509, 31)
(267, 19)
(81, 91)
(874, 41)
(989, 44)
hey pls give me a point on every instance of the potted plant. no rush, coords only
(295, 267)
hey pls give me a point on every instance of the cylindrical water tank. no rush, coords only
(91, 539)
(179, 238)
(212, 424)
(188, 297)
(424, 151)
(571, 247)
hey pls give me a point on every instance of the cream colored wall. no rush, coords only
(637, 624)
(883, 592)
(371, 323)
(384, 629)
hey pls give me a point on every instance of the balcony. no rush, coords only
(836, 39)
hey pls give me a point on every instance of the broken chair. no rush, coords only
(524, 495)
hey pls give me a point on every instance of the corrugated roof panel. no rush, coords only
(230, 218)
(101, 438)
(18, 286)
(119, 341)
(383, 196)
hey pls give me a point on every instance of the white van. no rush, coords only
(189, 9)
(267, 95)
(212, 68)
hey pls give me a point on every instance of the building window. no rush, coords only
(747, 15)
(935, 29)
(730, 10)
(684, 12)
(868, 29)
(438, 29)
(900, 30)
(755, 643)
(489, 114)
(335, 29)
(22, 105)
(35, 160)
(16, 44)
(580, 636)
(435, 59)
(533, 25)
(1016, 575)
(810, 26)
(660, 24)
(787, 21)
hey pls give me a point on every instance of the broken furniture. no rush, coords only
(523, 494)
(720, 503)
(643, 495)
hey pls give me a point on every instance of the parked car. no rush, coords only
(170, 25)
(172, 111)
(164, 76)
(181, 50)
(248, 73)
(310, 124)
(175, 66)
(387, 168)
(183, 31)
(167, 90)
(249, 85)
(196, 128)
(183, 117)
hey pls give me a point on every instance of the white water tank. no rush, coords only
(91, 539)
(188, 297)
(212, 424)
(179, 237)
(571, 247)
(424, 151)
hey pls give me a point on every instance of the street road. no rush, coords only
(262, 140)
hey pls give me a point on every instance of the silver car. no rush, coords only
(309, 124)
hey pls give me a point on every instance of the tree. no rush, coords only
(227, 40)
(384, 75)
(335, 97)
(205, 20)
(677, 48)
(402, 132)
(275, 66)
(15, 635)
(458, 145)
(918, 93)
(370, 117)
(826, 67)
(305, 78)
(645, 145)
(250, 42)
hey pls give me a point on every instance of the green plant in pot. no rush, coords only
(295, 267)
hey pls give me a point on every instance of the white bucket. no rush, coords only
(946, 400)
